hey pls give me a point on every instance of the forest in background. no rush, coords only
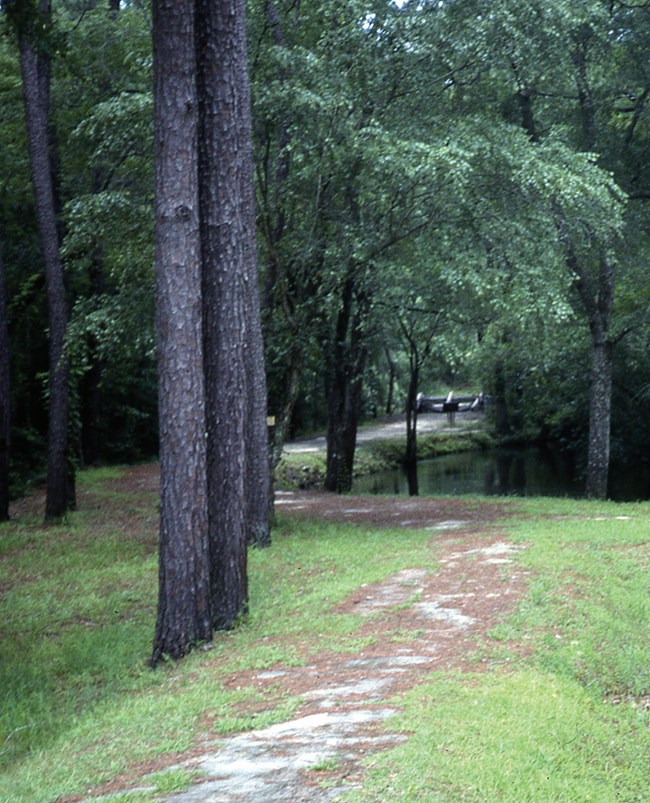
(448, 193)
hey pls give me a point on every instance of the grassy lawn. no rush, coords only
(556, 707)
(564, 712)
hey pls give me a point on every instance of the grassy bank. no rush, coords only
(307, 470)
(563, 714)
(554, 707)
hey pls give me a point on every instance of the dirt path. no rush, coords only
(472, 582)
(388, 429)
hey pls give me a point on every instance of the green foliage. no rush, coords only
(424, 153)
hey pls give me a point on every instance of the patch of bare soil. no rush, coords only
(419, 620)
(395, 511)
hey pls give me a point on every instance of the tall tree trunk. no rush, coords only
(184, 615)
(257, 485)
(258, 456)
(237, 455)
(5, 396)
(392, 373)
(35, 76)
(596, 288)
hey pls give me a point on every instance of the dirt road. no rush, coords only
(389, 429)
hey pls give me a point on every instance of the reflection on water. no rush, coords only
(503, 472)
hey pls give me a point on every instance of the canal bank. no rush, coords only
(453, 461)
(380, 447)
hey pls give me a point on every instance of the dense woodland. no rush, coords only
(447, 193)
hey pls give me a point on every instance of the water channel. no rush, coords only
(504, 472)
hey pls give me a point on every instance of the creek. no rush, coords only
(530, 471)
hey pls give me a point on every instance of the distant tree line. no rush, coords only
(446, 193)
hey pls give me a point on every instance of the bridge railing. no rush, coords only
(450, 404)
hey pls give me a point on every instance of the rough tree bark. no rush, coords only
(5, 396)
(184, 615)
(35, 76)
(238, 484)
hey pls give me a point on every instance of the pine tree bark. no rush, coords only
(5, 396)
(35, 76)
(184, 615)
(238, 483)
(258, 456)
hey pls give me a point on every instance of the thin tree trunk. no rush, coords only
(411, 455)
(5, 396)
(231, 342)
(184, 616)
(345, 385)
(600, 406)
(392, 371)
(35, 73)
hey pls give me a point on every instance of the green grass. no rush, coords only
(562, 715)
(525, 736)
(78, 703)
(557, 712)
